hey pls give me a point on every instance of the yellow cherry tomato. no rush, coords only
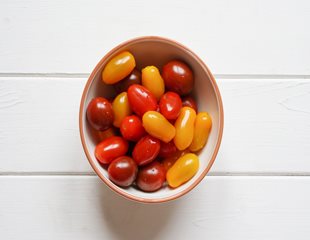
(158, 126)
(121, 108)
(152, 80)
(202, 129)
(184, 128)
(182, 170)
(118, 67)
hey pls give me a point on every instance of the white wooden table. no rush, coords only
(259, 187)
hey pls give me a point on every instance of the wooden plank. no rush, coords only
(220, 208)
(266, 126)
(239, 37)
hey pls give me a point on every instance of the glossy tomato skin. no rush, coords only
(111, 148)
(170, 105)
(167, 149)
(183, 170)
(178, 77)
(189, 102)
(146, 150)
(151, 177)
(132, 129)
(141, 99)
(158, 126)
(133, 78)
(100, 114)
(119, 67)
(123, 171)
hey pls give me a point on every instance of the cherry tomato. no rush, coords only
(184, 128)
(121, 108)
(202, 129)
(152, 80)
(118, 67)
(151, 177)
(158, 126)
(167, 149)
(141, 99)
(100, 113)
(182, 170)
(123, 171)
(132, 129)
(133, 78)
(170, 105)
(111, 148)
(178, 77)
(146, 150)
(99, 136)
(189, 102)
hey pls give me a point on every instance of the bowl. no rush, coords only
(152, 50)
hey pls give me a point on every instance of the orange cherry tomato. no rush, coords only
(118, 67)
(158, 126)
(182, 170)
(141, 99)
(146, 150)
(184, 127)
(132, 129)
(170, 105)
(202, 129)
(121, 108)
(152, 80)
(111, 148)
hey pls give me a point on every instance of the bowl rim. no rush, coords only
(221, 120)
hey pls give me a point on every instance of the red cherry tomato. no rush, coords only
(133, 78)
(167, 149)
(111, 148)
(100, 113)
(132, 129)
(123, 171)
(146, 150)
(141, 99)
(189, 102)
(170, 105)
(178, 77)
(151, 177)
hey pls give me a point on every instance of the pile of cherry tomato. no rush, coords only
(150, 132)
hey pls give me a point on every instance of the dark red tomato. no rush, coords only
(146, 150)
(151, 177)
(167, 149)
(189, 102)
(178, 77)
(100, 114)
(133, 78)
(111, 148)
(132, 129)
(141, 99)
(123, 171)
(170, 105)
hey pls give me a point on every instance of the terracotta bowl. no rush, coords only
(157, 51)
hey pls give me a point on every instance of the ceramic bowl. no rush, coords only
(157, 51)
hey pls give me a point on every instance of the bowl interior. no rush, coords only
(158, 51)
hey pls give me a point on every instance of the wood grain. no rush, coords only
(266, 131)
(220, 208)
(233, 37)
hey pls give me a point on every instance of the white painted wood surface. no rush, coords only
(266, 126)
(220, 208)
(258, 187)
(233, 37)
